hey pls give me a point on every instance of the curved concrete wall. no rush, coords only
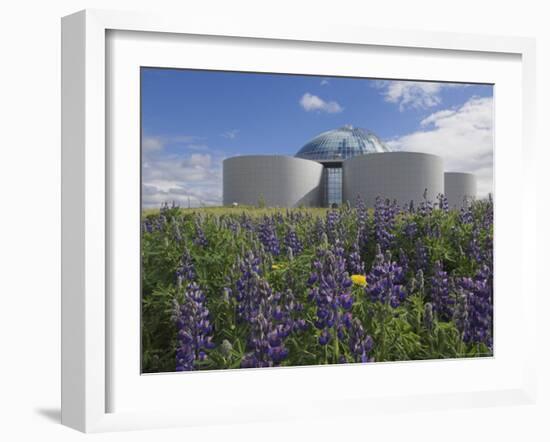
(458, 186)
(282, 181)
(395, 175)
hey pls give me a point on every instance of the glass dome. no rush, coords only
(340, 144)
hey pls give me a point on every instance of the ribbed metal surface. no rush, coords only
(459, 187)
(279, 181)
(402, 176)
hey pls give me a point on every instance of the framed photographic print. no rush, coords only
(313, 254)
(250, 213)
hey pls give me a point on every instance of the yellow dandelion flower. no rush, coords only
(359, 280)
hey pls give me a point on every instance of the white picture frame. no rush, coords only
(86, 315)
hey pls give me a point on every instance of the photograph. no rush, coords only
(233, 221)
(303, 220)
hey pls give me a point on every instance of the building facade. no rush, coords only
(338, 166)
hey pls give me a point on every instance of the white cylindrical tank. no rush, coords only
(278, 181)
(403, 176)
(460, 186)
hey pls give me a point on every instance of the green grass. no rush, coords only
(249, 210)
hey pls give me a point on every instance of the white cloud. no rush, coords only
(194, 178)
(324, 82)
(231, 134)
(314, 103)
(413, 94)
(189, 172)
(152, 143)
(462, 136)
(437, 117)
(198, 160)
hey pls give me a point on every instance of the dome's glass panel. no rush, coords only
(340, 144)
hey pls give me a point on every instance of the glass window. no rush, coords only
(333, 186)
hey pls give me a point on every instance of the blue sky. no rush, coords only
(192, 119)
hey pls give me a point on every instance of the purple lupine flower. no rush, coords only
(354, 261)
(300, 325)
(443, 203)
(246, 286)
(194, 329)
(268, 236)
(185, 272)
(385, 281)
(347, 319)
(312, 279)
(333, 226)
(160, 223)
(147, 225)
(466, 214)
(200, 238)
(293, 242)
(360, 343)
(410, 229)
(233, 226)
(403, 260)
(332, 293)
(324, 337)
(289, 302)
(474, 248)
(421, 258)
(384, 221)
(479, 307)
(440, 295)
(270, 324)
(268, 313)
(480, 245)
(246, 222)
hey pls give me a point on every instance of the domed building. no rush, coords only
(340, 144)
(331, 148)
(338, 166)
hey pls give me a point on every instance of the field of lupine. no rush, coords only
(253, 287)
